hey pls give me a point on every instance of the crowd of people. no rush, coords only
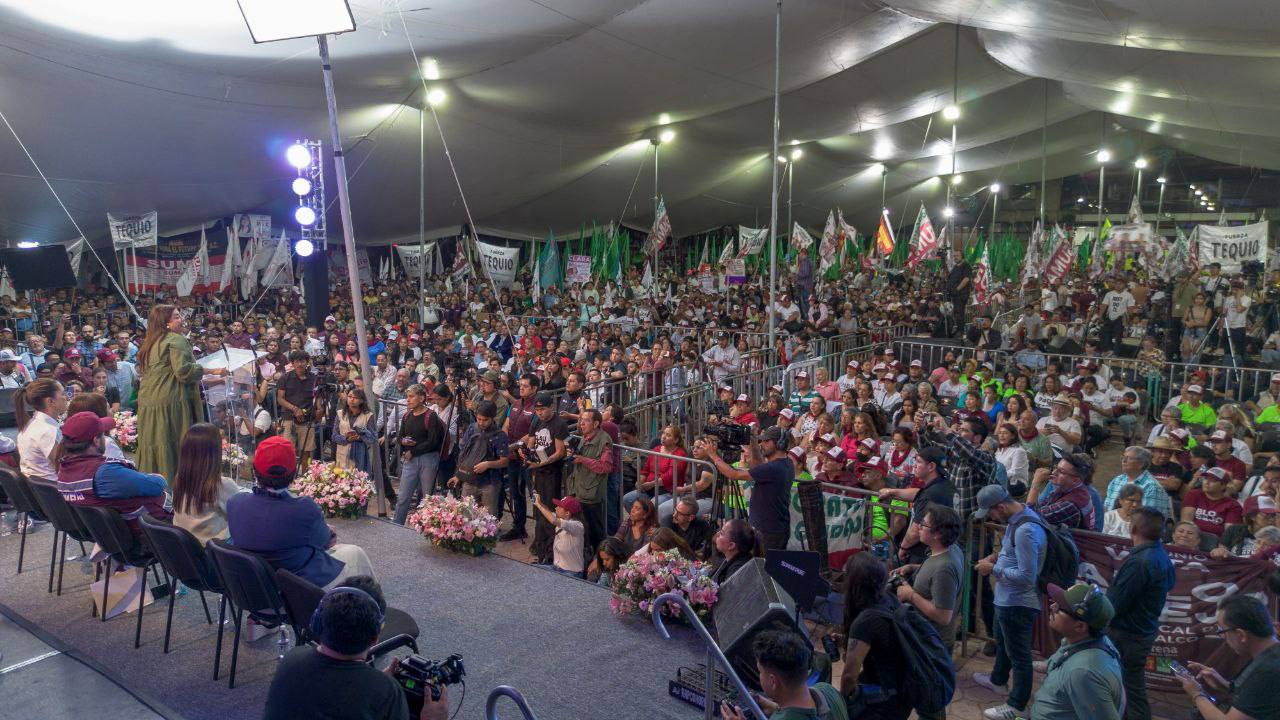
(526, 402)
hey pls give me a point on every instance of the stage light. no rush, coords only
(1193, 187)
(301, 186)
(948, 212)
(430, 69)
(957, 179)
(1140, 163)
(28, 244)
(304, 215)
(995, 187)
(951, 112)
(298, 155)
(436, 96)
(797, 154)
(667, 136)
(664, 119)
(886, 212)
(303, 248)
(781, 159)
(1162, 180)
(271, 20)
(1079, 199)
(1104, 155)
(1199, 192)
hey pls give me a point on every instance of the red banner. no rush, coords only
(1188, 625)
(160, 266)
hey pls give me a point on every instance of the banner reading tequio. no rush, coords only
(133, 231)
(411, 259)
(500, 262)
(1232, 246)
(751, 240)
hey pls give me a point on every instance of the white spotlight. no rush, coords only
(1162, 180)
(1079, 199)
(667, 136)
(664, 119)
(948, 212)
(1193, 187)
(298, 155)
(304, 215)
(1140, 163)
(781, 159)
(886, 212)
(1199, 192)
(995, 187)
(957, 179)
(1104, 155)
(951, 112)
(303, 248)
(430, 69)
(436, 96)
(797, 154)
(301, 186)
(28, 244)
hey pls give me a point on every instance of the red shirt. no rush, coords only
(1213, 516)
(1233, 465)
(668, 470)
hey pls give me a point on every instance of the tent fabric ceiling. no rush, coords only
(165, 105)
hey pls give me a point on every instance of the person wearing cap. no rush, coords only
(1013, 572)
(742, 412)
(87, 477)
(1241, 539)
(1223, 444)
(1060, 427)
(1165, 468)
(73, 369)
(802, 394)
(289, 532)
(834, 470)
(1198, 415)
(850, 379)
(1266, 398)
(886, 522)
(1209, 506)
(772, 473)
(1061, 495)
(1135, 467)
(722, 358)
(1084, 679)
(568, 551)
(121, 375)
(10, 376)
(488, 389)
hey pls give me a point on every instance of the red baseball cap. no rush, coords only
(85, 426)
(275, 458)
(107, 355)
(569, 503)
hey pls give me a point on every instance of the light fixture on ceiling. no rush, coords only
(797, 153)
(781, 159)
(271, 20)
(667, 135)
(1104, 155)
(1162, 180)
(1199, 192)
(436, 96)
(1193, 187)
(948, 212)
(301, 186)
(430, 69)
(1140, 163)
(1079, 199)
(303, 248)
(995, 187)
(664, 119)
(28, 244)
(886, 212)
(951, 112)
(957, 179)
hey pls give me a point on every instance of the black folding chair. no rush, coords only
(250, 588)
(19, 492)
(301, 597)
(56, 509)
(186, 562)
(113, 535)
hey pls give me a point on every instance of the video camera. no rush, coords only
(418, 675)
(731, 437)
(573, 442)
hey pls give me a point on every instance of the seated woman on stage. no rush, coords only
(200, 492)
(38, 407)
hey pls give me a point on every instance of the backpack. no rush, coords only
(474, 452)
(1061, 557)
(931, 683)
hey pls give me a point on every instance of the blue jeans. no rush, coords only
(1013, 652)
(612, 500)
(416, 474)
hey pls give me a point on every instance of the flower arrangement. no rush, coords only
(340, 492)
(640, 580)
(126, 431)
(457, 525)
(233, 455)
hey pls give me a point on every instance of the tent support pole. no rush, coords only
(773, 183)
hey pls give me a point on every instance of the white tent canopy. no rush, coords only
(132, 105)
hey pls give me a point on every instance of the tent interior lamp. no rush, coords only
(298, 155)
(1104, 155)
(28, 244)
(303, 248)
(1140, 163)
(667, 135)
(1162, 180)
(301, 186)
(948, 212)
(957, 179)
(782, 159)
(1199, 192)
(1193, 187)
(430, 69)
(664, 119)
(951, 112)
(1079, 199)
(271, 20)
(436, 96)
(304, 215)
(886, 212)
(995, 187)
(797, 154)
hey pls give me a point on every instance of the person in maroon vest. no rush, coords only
(87, 477)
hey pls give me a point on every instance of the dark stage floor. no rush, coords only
(551, 637)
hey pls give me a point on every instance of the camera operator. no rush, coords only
(772, 472)
(296, 399)
(334, 679)
(589, 465)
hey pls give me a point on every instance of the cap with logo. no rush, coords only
(1084, 602)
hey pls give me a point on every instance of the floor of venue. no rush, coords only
(551, 637)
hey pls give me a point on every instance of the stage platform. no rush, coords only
(550, 636)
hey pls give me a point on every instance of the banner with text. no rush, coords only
(500, 262)
(163, 264)
(1232, 246)
(845, 517)
(412, 258)
(134, 231)
(257, 227)
(751, 240)
(735, 271)
(578, 271)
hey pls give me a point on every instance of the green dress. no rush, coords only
(168, 404)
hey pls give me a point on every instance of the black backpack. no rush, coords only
(930, 683)
(1061, 557)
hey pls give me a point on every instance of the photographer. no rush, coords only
(772, 472)
(296, 397)
(590, 463)
(543, 452)
(334, 679)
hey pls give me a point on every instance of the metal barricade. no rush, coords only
(684, 477)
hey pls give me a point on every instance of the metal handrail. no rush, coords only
(714, 654)
(491, 704)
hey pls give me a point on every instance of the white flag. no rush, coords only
(647, 280)
(74, 251)
(230, 261)
(279, 272)
(6, 287)
(194, 273)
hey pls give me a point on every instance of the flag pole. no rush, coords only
(773, 183)
(657, 145)
(422, 219)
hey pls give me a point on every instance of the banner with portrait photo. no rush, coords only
(1231, 246)
(578, 271)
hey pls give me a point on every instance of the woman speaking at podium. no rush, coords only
(169, 394)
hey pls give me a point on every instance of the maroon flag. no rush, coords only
(925, 239)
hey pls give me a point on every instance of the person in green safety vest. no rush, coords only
(886, 523)
(1196, 413)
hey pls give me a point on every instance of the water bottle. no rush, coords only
(283, 643)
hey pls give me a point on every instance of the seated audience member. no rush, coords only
(568, 547)
(290, 532)
(37, 408)
(200, 491)
(87, 477)
(96, 403)
(736, 543)
(334, 678)
(1186, 536)
(1039, 451)
(1063, 431)
(783, 659)
(1246, 627)
(1241, 539)
(1135, 466)
(1165, 468)
(639, 525)
(833, 468)
(1237, 473)
(1083, 677)
(668, 472)
(1116, 522)
(609, 557)
(686, 522)
(667, 539)
(1061, 495)
(1011, 455)
(1267, 545)
(1209, 506)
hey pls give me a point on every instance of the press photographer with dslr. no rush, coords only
(296, 399)
(772, 473)
(334, 678)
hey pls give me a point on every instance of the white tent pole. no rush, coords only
(1044, 140)
(349, 246)
(773, 204)
(422, 218)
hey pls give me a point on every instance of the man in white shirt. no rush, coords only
(787, 310)
(952, 387)
(1124, 407)
(382, 373)
(10, 376)
(1112, 311)
(1236, 316)
(722, 358)
(1063, 431)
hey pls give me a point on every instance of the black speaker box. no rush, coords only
(751, 601)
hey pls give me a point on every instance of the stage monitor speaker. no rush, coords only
(315, 283)
(39, 268)
(751, 601)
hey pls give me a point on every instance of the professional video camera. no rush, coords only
(418, 675)
(731, 437)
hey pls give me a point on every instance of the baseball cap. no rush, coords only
(7, 355)
(853, 364)
(1195, 389)
(85, 426)
(569, 503)
(796, 452)
(543, 399)
(828, 438)
(878, 367)
(1275, 378)
(917, 363)
(889, 351)
(1216, 472)
(1084, 602)
(868, 443)
(875, 462)
(275, 458)
(106, 355)
(835, 453)
(773, 434)
(393, 335)
(935, 455)
(787, 413)
(775, 388)
(726, 387)
(1220, 435)
(330, 318)
(743, 398)
(802, 374)
(71, 353)
(490, 376)
(1264, 504)
(989, 497)
(1180, 435)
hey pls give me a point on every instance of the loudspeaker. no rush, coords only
(38, 268)
(751, 601)
(315, 282)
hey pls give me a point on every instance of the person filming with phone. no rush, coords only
(1244, 626)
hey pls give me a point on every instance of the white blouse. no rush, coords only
(1014, 460)
(36, 443)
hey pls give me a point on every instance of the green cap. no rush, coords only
(1084, 602)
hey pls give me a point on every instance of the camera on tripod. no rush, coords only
(730, 437)
(418, 676)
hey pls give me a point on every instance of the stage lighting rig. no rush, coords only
(306, 156)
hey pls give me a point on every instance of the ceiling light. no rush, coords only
(301, 186)
(436, 96)
(430, 69)
(1193, 187)
(1104, 155)
(1079, 199)
(886, 212)
(28, 244)
(304, 248)
(667, 136)
(797, 154)
(1199, 192)
(271, 20)
(995, 187)
(1140, 163)
(948, 212)
(781, 159)
(304, 215)
(664, 118)
(298, 155)
(956, 179)
(951, 112)
(1162, 180)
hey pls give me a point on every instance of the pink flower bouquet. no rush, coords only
(233, 455)
(643, 578)
(457, 525)
(126, 431)
(340, 492)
